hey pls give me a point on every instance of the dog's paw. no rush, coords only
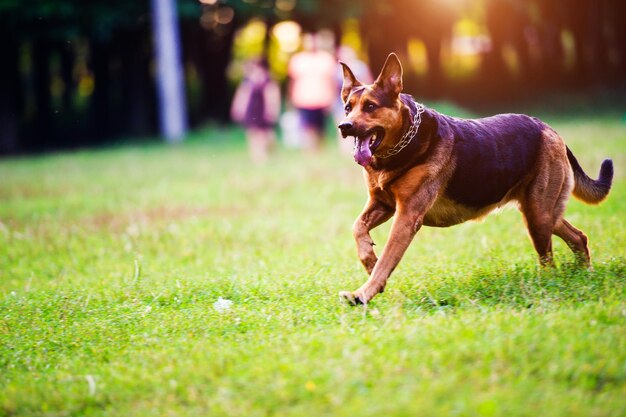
(350, 298)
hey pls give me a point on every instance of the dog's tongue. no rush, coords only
(362, 151)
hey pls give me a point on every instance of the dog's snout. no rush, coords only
(345, 126)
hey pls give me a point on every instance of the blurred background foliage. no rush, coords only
(82, 73)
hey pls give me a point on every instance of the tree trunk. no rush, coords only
(598, 58)
(380, 42)
(100, 100)
(171, 94)
(435, 73)
(211, 54)
(67, 68)
(136, 82)
(43, 130)
(10, 111)
(220, 50)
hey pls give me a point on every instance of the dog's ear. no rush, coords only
(390, 77)
(349, 82)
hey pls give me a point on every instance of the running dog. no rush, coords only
(427, 169)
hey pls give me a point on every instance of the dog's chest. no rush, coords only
(379, 180)
(446, 212)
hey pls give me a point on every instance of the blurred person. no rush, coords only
(256, 105)
(362, 71)
(312, 89)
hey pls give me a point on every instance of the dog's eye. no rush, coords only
(370, 106)
(348, 108)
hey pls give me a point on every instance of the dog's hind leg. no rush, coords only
(540, 230)
(546, 194)
(543, 208)
(575, 239)
(538, 210)
(374, 214)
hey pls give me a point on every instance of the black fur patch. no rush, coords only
(493, 154)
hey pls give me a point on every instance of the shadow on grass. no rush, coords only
(517, 287)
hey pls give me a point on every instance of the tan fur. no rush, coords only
(414, 195)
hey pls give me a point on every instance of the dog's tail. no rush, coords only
(589, 190)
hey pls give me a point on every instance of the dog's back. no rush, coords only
(491, 155)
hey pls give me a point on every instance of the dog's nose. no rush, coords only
(345, 126)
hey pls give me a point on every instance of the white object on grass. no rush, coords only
(222, 305)
(91, 381)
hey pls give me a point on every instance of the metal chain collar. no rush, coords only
(408, 136)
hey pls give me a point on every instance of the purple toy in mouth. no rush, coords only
(365, 145)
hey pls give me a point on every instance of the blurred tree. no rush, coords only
(82, 72)
(50, 29)
(616, 10)
(389, 25)
(506, 21)
(172, 104)
(207, 47)
(10, 93)
(585, 19)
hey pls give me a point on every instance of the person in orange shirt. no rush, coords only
(312, 89)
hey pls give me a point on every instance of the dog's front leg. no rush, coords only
(404, 227)
(411, 208)
(374, 214)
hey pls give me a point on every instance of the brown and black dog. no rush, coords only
(427, 169)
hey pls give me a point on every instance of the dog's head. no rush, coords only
(373, 112)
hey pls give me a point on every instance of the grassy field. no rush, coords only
(112, 262)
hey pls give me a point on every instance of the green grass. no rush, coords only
(111, 261)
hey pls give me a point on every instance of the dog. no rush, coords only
(427, 169)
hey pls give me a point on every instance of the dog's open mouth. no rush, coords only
(366, 144)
